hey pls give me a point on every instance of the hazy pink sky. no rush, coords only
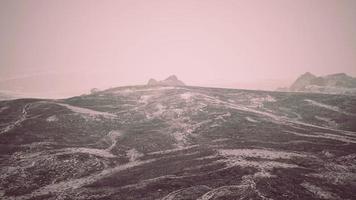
(71, 46)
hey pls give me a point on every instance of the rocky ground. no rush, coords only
(170, 143)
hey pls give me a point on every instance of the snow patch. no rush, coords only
(327, 154)
(258, 102)
(172, 150)
(96, 152)
(86, 111)
(240, 157)
(187, 96)
(326, 136)
(263, 174)
(144, 99)
(181, 138)
(133, 155)
(221, 140)
(52, 118)
(259, 153)
(319, 192)
(160, 109)
(221, 191)
(222, 117)
(328, 121)
(251, 120)
(3, 108)
(328, 107)
(113, 136)
(125, 91)
(186, 192)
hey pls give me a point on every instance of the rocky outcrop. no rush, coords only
(302, 81)
(152, 82)
(339, 83)
(170, 81)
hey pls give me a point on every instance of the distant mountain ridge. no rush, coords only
(339, 83)
(170, 81)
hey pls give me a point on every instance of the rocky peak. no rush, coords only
(170, 81)
(339, 83)
(172, 78)
(307, 75)
(152, 82)
(302, 81)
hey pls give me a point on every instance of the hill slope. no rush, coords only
(164, 142)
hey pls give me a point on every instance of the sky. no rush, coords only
(63, 47)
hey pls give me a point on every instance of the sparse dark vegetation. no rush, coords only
(155, 142)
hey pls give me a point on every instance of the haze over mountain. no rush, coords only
(63, 49)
